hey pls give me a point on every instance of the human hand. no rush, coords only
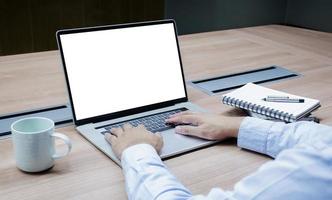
(207, 126)
(126, 136)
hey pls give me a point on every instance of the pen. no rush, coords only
(284, 100)
(310, 118)
(277, 97)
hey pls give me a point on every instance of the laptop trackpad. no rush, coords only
(176, 143)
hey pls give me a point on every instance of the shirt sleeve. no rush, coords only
(302, 165)
(147, 177)
(270, 138)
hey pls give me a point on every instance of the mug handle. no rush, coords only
(67, 142)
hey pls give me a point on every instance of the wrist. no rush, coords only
(235, 126)
(138, 151)
(129, 146)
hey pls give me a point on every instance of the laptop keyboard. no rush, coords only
(153, 123)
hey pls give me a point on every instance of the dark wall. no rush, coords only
(207, 15)
(198, 16)
(313, 14)
(30, 26)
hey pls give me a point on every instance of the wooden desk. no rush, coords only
(35, 80)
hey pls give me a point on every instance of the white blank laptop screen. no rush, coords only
(119, 69)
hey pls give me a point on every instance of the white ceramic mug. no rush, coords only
(33, 140)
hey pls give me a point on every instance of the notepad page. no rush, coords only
(254, 94)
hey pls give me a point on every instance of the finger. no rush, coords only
(117, 131)
(182, 113)
(127, 126)
(110, 138)
(141, 126)
(189, 130)
(185, 119)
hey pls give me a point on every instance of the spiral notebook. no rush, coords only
(250, 97)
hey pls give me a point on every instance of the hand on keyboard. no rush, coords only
(126, 136)
(207, 126)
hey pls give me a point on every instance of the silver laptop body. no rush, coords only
(124, 72)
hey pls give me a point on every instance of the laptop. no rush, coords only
(129, 73)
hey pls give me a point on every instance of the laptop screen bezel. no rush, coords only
(127, 112)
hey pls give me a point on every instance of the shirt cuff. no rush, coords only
(134, 154)
(253, 134)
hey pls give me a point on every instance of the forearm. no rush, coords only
(147, 177)
(270, 138)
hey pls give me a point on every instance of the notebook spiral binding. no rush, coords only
(267, 111)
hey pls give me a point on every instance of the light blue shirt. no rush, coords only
(302, 168)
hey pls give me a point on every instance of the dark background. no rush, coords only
(30, 25)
